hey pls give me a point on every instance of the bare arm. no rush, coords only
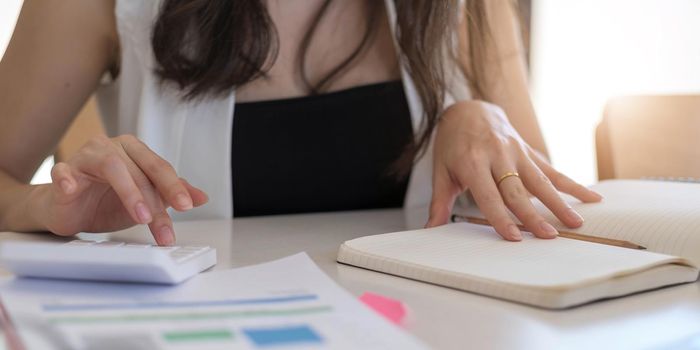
(58, 52)
(55, 60)
(509, 85)
(495, 149)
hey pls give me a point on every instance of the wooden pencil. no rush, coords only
(565, 234)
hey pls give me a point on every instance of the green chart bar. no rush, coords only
(196, 336)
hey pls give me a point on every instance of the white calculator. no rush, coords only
(106, 261)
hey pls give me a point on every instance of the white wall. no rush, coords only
(9, 9)
(585, 52)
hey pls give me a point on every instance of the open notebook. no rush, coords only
(559, 273)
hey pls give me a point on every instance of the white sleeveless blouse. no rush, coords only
(195, 137)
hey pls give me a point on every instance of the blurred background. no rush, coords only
(583, 55)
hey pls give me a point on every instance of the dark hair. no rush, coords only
(209, 47)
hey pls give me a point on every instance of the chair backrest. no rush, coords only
(649, 136)
(85, 126)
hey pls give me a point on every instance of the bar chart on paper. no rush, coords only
(214, 311)
(291, 320)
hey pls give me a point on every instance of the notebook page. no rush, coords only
(662, 216)
(477, 252)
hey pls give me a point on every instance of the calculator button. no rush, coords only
(81, 242)
(134, 245)
(189, 250)
(109, 244)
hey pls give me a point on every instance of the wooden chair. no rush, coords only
(649, 136)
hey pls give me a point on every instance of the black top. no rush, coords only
(320, 153)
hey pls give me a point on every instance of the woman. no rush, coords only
(280, 105)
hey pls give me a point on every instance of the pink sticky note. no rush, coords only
(392, 310)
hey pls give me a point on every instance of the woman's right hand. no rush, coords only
(112, 184)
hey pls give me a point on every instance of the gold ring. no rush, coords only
(505, 176)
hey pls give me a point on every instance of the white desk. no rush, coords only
(442, 317)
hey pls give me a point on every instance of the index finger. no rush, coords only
(159, 172)
(112, 169)
(539, 185)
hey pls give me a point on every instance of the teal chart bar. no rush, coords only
(294, 335)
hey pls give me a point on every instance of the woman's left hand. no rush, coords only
(475, 146)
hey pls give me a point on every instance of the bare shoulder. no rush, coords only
(55, 59)
(53, 22)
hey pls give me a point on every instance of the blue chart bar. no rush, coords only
(294, 335)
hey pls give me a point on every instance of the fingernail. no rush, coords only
(514, 232)
(183, 201)
(574, 216)
(549, 229)
(66, 186)
(166, 236)
(600, 196)
(143, 213)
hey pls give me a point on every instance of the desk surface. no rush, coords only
(444, 318)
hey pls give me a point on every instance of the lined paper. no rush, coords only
(476, 252)
(662, 216)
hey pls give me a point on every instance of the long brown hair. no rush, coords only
(209, 47)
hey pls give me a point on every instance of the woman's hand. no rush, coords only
(476, 145)
(112, 184)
